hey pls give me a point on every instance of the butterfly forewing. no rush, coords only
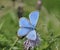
(23, 22)
(33, 16)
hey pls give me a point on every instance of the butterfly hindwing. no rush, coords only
(33, 16)
(23, 22)
(22, 32)
(31, 35)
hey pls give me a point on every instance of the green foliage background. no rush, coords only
(48, 25)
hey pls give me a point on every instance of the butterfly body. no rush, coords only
(29, 28)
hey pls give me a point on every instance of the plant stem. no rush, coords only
(14, 43)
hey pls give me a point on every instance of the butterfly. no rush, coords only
(27, 26)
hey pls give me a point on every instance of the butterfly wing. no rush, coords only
(23, 22)
(31, 35)
(22, 32)
(33, 16)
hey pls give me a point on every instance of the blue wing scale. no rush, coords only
(23, 22)
(33, 16)
(22, 31)
(31, 35)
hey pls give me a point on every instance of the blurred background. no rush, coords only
(48, 25)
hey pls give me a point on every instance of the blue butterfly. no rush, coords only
(27, 27)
